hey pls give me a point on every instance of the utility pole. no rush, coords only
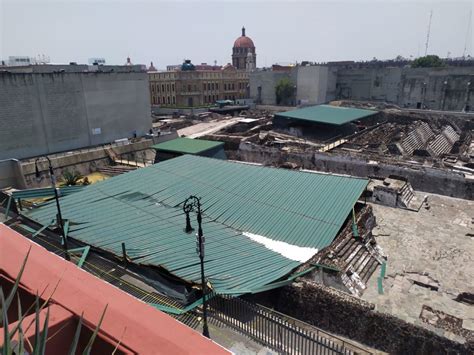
(428, 33)
(469, 24)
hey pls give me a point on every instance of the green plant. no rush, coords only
(71, 179)
(14, 340)
(285, 91)
(427, 61)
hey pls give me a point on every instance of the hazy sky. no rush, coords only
(166, 32)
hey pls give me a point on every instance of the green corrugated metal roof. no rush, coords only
(187, 145)
(333, 115)
(143, 209)
(45, 192)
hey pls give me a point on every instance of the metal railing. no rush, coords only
(274, 330)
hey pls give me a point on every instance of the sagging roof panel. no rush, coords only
(327, 114)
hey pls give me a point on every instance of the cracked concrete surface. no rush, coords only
(430, 260)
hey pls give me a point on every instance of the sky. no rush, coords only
(166, 32)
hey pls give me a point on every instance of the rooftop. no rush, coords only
(327, 114)
(187, 146)
(430, 262)
(141, 329)
(260, 223)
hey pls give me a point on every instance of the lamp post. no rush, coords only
(56, 197)
(193, 203)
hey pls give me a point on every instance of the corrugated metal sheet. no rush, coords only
(187, 146)
(328, 114)
(142, 208)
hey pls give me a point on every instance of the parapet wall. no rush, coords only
(86, 161)
(422, 178)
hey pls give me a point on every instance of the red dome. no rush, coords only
(244, 42)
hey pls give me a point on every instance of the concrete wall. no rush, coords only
(432, 88)
(11, 174)
(267, 81)
(44, 113)
(315, 85)
(339, 313)
(422, 178)
(84, 161)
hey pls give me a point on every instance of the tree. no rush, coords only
(285, 91)
(428, 61)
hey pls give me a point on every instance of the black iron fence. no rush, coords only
(276, 331)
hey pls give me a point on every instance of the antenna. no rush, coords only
(428, 33)
(469, 24)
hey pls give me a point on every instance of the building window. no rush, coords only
(209, 86)
(168, 87)
(169, 100)
(174, 100)
(162, 87)
(217, 86)
(172, 87)
(189, 87)
(204, 86)
(163, 100)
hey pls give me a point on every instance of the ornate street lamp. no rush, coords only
(59, 217)
(193, 203)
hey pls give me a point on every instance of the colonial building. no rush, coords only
(190, 85)
(243, 53)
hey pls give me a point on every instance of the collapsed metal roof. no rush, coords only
(260, 223)
(327, 114)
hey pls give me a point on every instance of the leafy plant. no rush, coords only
(285, 91)
(428, 61)
(71, 178)
(14, 340)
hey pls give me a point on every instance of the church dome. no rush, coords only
(243, 41)
(187, 65)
